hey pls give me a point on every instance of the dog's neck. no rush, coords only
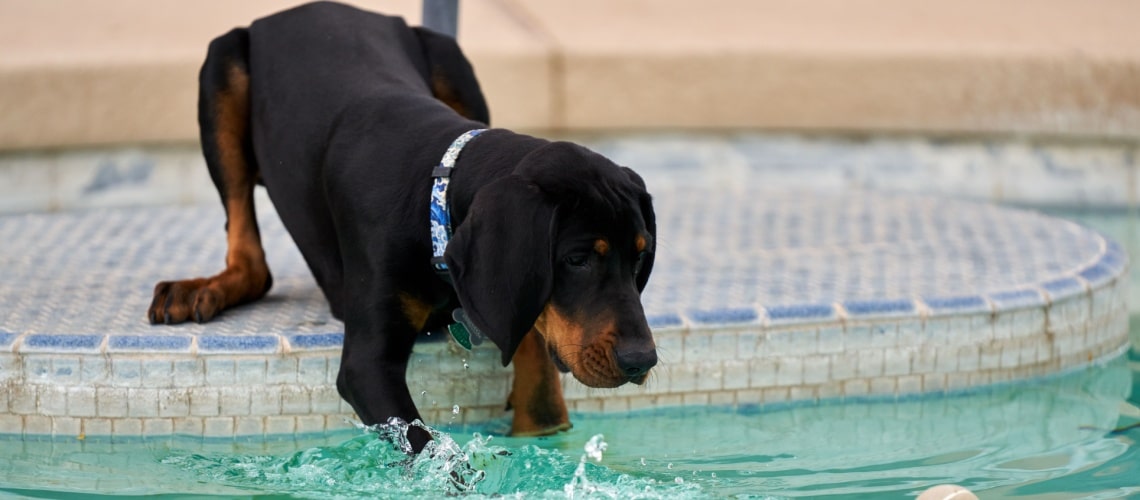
(495, 154)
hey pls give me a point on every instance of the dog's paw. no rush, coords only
(186, 300)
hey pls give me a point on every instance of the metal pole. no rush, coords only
(442, 16)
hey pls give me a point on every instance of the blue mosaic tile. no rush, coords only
(878, 307)
(663, 320)
(316, 340)
(956, 305)
(238, 343)
(7, 339)
(724, 316)
(47, 342)
(1063, 287)
(1011, 299)
(800, 312)
(150, 343)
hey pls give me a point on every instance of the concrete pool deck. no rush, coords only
(758, 298)
(75, 73)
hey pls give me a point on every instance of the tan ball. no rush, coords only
(947, 492)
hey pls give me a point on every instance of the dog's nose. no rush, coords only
(636, 363)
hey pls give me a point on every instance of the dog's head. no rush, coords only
(565, 245)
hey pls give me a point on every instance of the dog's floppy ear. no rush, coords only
(645, 205)
(500, 260)
(450, 76)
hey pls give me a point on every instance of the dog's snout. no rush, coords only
(634, 363)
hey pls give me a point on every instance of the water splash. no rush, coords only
(378, 464)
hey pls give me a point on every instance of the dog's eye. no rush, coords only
(579, 260)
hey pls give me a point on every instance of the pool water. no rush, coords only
(1052, 437)
(1049, 436)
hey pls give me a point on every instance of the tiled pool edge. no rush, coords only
(70, 386)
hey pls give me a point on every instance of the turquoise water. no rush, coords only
(1050, 438)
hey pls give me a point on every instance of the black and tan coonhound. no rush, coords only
(344, 115)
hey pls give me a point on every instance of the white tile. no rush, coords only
(220, 372)
(946, 360)
(326, 400)
(790, 371)
(697, 348)
(250, 371)
(189, 426)
(723, 346)
(173, 403)
(52, 400)
(96, 427)
(909, 384)
(234, 401)
(126, 372)
(830, 340)
(817, 369)
(883, 386)
(189, 372)
(266, 401)
(37, 425)
(142, 402)
(204, 402)
(126, 427)
(66, 427)
(735, 374)
(762, 373)
(157, 373)
(280, 425)
(695, 399)
(934, 382)
(246, 426)
(312, 370)
(843, 367)
(66, 370)
(294, 401)
(281, 370)
(855, 388)
(776, 395)
(22, 399)
(154, 427)
(81, 401)
(218, 427)
(722, 398)
(682, 378)
(869, 363)
(111, 401)
(611, 405)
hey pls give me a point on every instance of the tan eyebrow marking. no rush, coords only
(640, 243)
(601, 246)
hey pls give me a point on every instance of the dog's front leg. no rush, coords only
(377, 345)
(536, 393)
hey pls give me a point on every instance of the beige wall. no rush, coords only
(74, 72)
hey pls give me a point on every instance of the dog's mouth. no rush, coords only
(558, 363)
(593, 376)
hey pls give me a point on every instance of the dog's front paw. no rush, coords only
(178, 301)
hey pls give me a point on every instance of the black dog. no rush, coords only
(342, 115)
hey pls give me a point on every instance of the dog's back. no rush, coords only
(308, 65)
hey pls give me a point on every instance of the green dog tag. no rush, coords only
(460, 334)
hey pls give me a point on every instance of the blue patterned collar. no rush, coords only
(440, 213)
(462, 330)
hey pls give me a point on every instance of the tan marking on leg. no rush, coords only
(536, 392)
(246, 277)
(416, 310)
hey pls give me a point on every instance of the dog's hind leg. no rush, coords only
(224, 123)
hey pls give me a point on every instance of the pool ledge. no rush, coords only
(77, 358)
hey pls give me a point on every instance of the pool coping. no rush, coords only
(276, 384)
